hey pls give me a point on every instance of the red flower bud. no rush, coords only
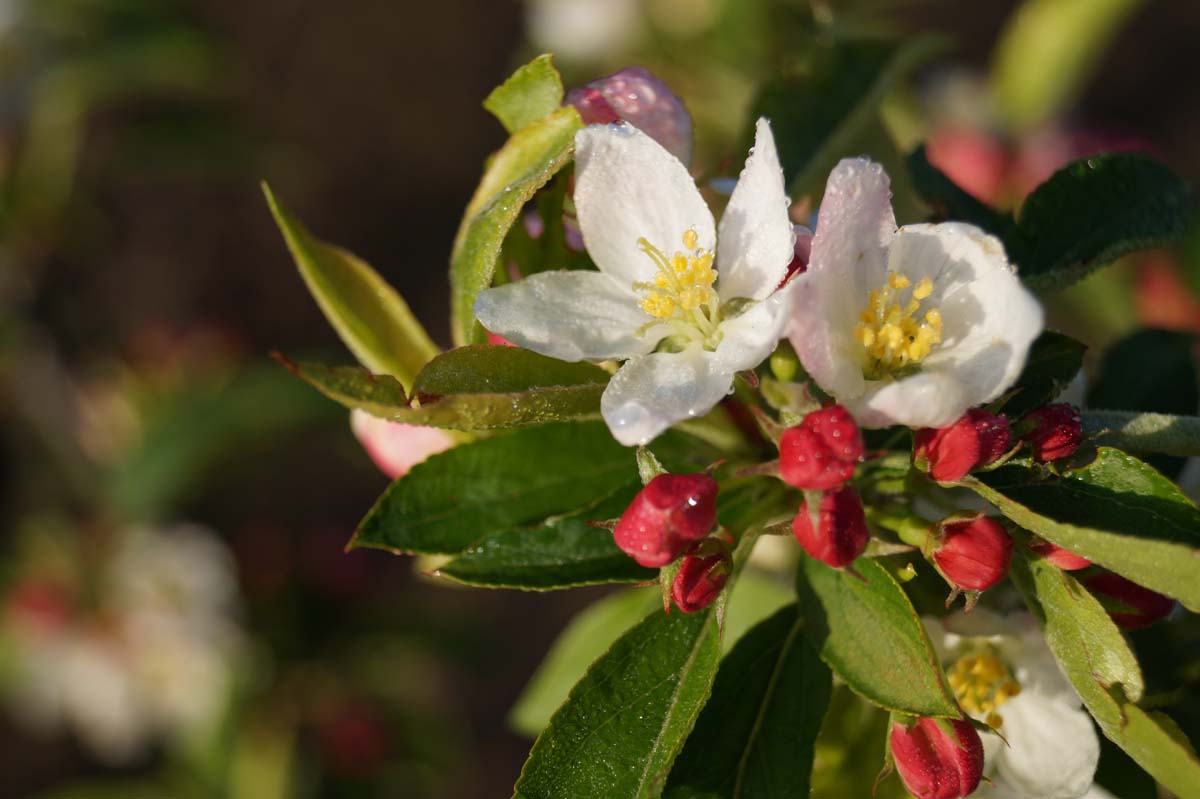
(975, 440)
(635, 95)
(666, 516)
(1064, 559)
(973, 554)
(1130, 605)
(701, 577)
(1055, 431)
(938, 758)
(820, 453)
(842, 535)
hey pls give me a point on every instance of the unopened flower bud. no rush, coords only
(973, 554)
(975, 440)
(1064, 559)
(938, 758)
(841, 534)
(1130, 605)
(1054, 431)
(701, 576)
(666, 517)
(636, 96)
(395, 448)
(820, 453)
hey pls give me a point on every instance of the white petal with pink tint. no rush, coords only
(395, 448)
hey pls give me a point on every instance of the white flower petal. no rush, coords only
(569, 315)
(754, 241)
(1053, 749)
(821, 332)
(628, 187)
(749, 338)
(649, 394)
(926, 399)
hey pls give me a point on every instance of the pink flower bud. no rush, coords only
(975, 440)
(842, 531)
(499, 341)
(973, 554)
(820, 453)
(701, 577)
(1054, 431)
(666, 517)
(1130, 605)
(395, 448)
(635, 95)
(1064, 559)
(938, 758)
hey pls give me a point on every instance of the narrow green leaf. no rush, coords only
(370, 316)
(756, 735)
(622, 725)
(1053, 362)
(458, 497)
(523, 165)
(486, 369)
(1115, 511)
(1135, 432)
(869, 633)
(530, 93)
(949, 202)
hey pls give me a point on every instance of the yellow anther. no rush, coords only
(681, 291)
(660, 281)
(679, 262)
(897, 281)
(933, 317)
(690, 239)
(889, 329)
(981, 683)
(923, 290)
(658, 305)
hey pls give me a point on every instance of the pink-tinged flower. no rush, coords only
(1054, 431)
(667, 517)
(701, 577)
(820, 453)
(395, 448)
(973, 554)
(975, 160)
(1064, 559)
(841, 534)
(975, 440)
(938, 758)
(636, 96)
(908, 326)
(1130, 605)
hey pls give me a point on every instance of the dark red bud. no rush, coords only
(635, 95)
(975, 440)
(700, 579)
(820, 453)
(666, 516)
(842, 531)
(1054, 431)
(1064, 559)
(973, 554)
(938, 758)
(1130, 605)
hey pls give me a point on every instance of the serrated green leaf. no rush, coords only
(756, 735)
(486, 369)
(369, 315)
(458, 497)
(523, 165)
(622, 725)
(1095, 658)
(1054, 360)
(530, 93)
(868, 632)
(1115, 511)
(949, 202)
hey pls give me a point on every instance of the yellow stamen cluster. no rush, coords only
(889, 330)
(683, 288)
(981, 684)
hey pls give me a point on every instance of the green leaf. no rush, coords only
(1054, 360)
(564, 553)
(1115, 511)
(479, 387)
(869, 633)
(622, 725)
(532, 92)
(1092, 212)
(949, 202)
(523, 165)
(756, 735)
(459, 497)
(1098, 662)
(370, 316)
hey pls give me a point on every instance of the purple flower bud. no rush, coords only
(637, 97)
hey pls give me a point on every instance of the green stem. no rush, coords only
(1145, 432)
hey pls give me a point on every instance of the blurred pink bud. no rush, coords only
(1054, 431)
(938, 758)
(975, 160)
(636, 96)
(820, 453)
(395, 448)
(1130, 605)
(666, 516)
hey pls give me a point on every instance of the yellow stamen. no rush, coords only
(682, 290)
(889, 331)
(981, 683)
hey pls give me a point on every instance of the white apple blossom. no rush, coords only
(910, 326)
(683, 327)
(1003, 674)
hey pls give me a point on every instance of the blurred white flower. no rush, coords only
(583, 30)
